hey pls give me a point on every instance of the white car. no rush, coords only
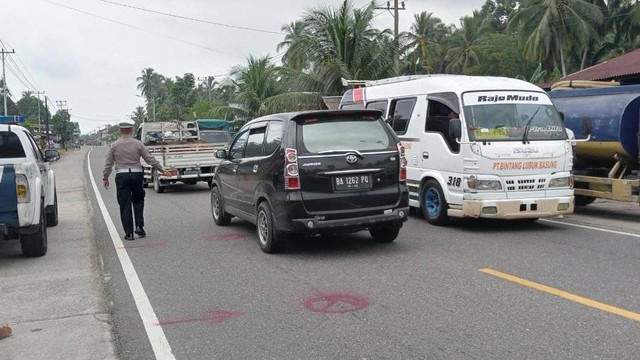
(28, 200)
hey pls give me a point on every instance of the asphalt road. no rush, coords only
(216, 295)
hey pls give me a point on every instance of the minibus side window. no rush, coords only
(378, 105)
(438, 118)
(401, 110)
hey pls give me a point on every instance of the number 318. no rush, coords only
(454, 181)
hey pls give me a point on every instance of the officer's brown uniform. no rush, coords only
(125, 153)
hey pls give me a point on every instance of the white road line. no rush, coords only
(592, 228)
(158, 340)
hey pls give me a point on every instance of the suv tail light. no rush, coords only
(291, 174)
(403, 163)
(22, 189)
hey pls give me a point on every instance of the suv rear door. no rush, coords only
(348, 161)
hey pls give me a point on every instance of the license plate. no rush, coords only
(191, 171)
(352, 182)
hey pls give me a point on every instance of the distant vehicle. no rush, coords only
(606, 166)
(215, 131)
(481, 147)
(28, 198)
(312, 173)
(178, 147)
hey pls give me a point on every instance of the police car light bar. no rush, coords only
(12, 119)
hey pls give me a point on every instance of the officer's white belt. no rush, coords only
(128, 170)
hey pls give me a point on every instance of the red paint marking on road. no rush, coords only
(336, 303)
(155, 244)
(211, 316)
(224, 237)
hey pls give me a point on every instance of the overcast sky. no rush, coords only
(89, 52)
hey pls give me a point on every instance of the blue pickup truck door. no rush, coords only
(8, 199)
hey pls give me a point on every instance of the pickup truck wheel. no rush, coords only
(34, 245)
(384, 233)
(52, 211)
(156, 184)
(270, 239)
(433, 204)
(220, 217)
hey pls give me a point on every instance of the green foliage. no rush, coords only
(499, 55)
(62, 126)
(537, 40)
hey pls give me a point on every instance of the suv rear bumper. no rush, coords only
(396, 216)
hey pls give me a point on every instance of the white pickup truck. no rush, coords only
(179, 149)
(28, 200)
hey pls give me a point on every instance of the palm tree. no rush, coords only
(463, 45)
(256, 81)
(150, 84)
(139, 115)
(550, 27)
(421, 42)
(341, 43)
(294, 57)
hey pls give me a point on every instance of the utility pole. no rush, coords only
(396, 31)
(62, 104)
(4, 77)
(208, 80)
(46, 117)
(39, 121)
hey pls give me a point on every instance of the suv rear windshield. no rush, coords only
(10, 146)
(344, 132)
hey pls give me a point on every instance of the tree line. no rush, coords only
(534, 40)
(30, 106)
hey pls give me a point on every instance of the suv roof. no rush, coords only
(293, 115)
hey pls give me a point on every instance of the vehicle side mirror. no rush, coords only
(455, 129)
(586, 126)
(221, 154)
(51, 155)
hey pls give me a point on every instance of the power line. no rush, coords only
(5, 43)
(193, 19)
(141, 29)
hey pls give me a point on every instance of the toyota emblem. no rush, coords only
(352, 159)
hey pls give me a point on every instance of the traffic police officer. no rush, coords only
(125, 153)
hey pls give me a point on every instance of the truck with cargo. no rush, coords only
(28, 198)
(607, 165)
(179, 149)
(480, 147)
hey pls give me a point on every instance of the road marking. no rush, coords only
(158, 340)
(563, 294)
(591, 228)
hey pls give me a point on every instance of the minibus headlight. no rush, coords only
(560, 182)
(488, 185)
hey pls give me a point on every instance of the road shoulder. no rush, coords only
(56, 305)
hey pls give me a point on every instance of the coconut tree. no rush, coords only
(421, 41)
(341, 43)
(256, 81)
(150, 85)
(139, 115)
(550, 27)
(294, 38)
(463, 45)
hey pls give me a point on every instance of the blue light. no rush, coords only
(12, 119)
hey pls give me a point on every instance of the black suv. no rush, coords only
(313, 172)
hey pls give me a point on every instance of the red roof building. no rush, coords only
(624, 68)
